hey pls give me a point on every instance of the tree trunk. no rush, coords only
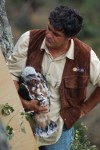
(4, 145)
(6, 39)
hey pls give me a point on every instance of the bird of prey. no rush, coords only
(33, 86)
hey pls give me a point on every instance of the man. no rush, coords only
(68, 65)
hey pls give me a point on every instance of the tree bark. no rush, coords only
(4, 145)
(6, 38)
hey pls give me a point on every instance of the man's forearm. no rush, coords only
(92, 101)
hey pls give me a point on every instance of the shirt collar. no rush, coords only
(69, 53)
(43, 46)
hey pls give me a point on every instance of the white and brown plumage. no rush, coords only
(34, 86)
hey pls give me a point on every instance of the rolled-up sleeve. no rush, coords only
(94, 69)
(17, 61)
(93, 88)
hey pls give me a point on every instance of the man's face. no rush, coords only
(55, 39)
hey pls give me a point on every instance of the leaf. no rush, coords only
(9, 130)
(20, 122)
(7, 109)
(23, 130)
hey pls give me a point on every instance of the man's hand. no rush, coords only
(82, 114)
(34, 105)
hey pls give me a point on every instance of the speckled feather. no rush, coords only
(33, 85)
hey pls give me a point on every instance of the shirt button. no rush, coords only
(64, 118)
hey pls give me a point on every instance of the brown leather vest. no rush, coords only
(75, 75)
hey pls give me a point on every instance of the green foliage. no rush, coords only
(26, 115)
(6, 109)
(10, 132)
(81, 140)
(23, 130)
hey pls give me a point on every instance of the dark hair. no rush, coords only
(66, 19)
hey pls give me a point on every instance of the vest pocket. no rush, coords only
(75, 87)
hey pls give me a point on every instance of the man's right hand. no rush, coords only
(34, 105)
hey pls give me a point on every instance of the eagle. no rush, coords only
(33, 86)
